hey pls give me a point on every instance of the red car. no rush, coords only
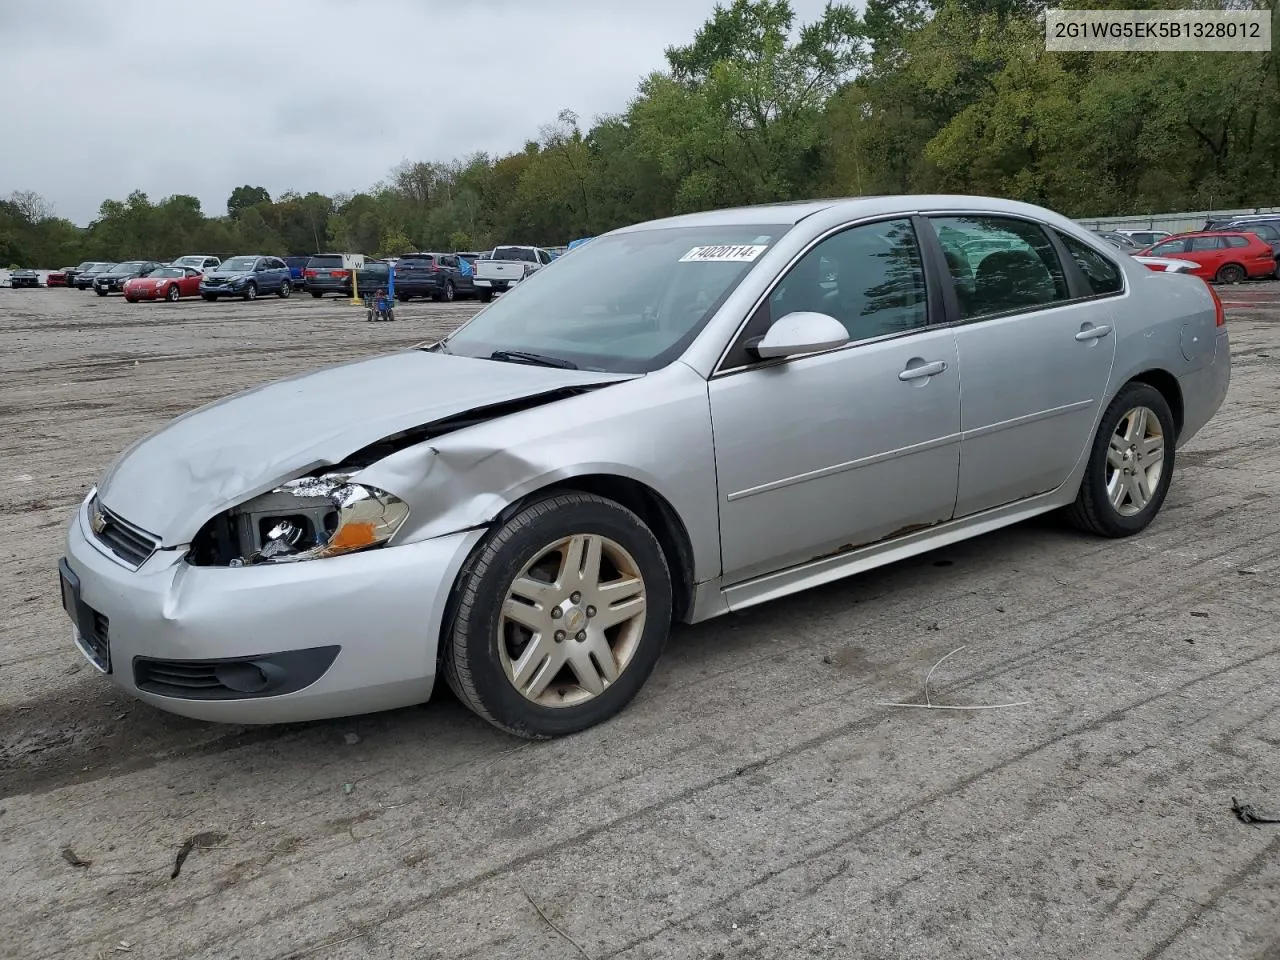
(164, 283)
(1227, 257)
(56, 279)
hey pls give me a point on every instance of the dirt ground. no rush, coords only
(759, 799)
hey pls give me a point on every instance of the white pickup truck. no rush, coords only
(505, 266)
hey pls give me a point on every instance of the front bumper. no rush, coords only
(222, 290)
(382, 609)
(148, 293)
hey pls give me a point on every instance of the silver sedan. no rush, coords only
(683, 418)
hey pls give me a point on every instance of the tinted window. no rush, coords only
(1169, 248)
(325, 261)
(1103, 275)
(544, 256)
(515, 253)
(416, 260)
(1206, 243)
(1000, 264)
(870, 278)
(1237, 241)
(1264, 230)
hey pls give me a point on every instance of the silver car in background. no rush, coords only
(685, 417)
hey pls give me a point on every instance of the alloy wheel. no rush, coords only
(572, 620)
(1135, 461)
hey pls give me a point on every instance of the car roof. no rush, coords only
(853, 208)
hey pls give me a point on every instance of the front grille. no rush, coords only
(126, 541)
(214, 282)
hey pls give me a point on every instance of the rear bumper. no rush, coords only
(1205, 389)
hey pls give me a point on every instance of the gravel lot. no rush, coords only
(757, 800)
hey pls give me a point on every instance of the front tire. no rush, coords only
(101, 293)
(251, 291)
(173, 295)
(561, 615)
(317, 294)
(1130, 465)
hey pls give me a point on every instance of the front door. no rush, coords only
(1035, 354)
(827, 452)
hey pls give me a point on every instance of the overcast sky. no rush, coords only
(170, 96)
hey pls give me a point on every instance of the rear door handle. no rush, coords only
(1093, 333)
(924, 370)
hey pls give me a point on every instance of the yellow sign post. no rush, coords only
(355, 263)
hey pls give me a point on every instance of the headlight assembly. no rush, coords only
(305, 519)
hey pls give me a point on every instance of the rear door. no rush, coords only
(1209, 252)
(1035, 342)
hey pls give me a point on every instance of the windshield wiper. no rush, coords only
(519, 356)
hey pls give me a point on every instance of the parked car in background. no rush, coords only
(1120, 241)
(84, 279)
(1144, 238)
(324, 273)
(1223, 257)
(24, 277)
(668, 427)
(201, 261)
(374, 274)
(73, 272)
(56, 278)
(297, 266)
(247, 277)
(113, 280)
(1267, 228)
(507, 266)
(439, 276)
(165, 283)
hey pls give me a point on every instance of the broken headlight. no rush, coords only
(304, 519)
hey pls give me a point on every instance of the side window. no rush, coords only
(1169, 248)
(449, 261)
(870, 278)
(1237, 241)
(1103, 275)
(544, 257)
(1267, 232)
(1206, 243)
(1000, 264)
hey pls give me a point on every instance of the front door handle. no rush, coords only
(924, 370)
(1093, 333)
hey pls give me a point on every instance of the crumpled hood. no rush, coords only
(171, 482)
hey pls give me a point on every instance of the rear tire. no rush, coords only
(484, 649)
(1111, 501)
(209, 297)
(317, 294)
(1231, 273)
(286, 288)
(485, 296)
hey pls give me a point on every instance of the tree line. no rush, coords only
(909, 96)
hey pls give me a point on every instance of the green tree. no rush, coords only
(246, 196)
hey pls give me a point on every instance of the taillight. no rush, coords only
(1219, 311)
(309, 273)
(337, 273)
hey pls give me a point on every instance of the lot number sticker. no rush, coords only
(725, 253)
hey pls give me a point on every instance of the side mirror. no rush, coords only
(800, 333)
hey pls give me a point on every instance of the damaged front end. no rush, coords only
(328, 512)
(304, 519)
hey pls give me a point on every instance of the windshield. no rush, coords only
(103, 268)
(129, 266)
(167, 272)
(189, 262)
(628, 303)
(238, 264)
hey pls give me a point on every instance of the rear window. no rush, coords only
(515, 253)
(415, 259)
(1235, 241)
(325, 261)
(1103, 276)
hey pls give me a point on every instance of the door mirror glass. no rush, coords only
(801, 333)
